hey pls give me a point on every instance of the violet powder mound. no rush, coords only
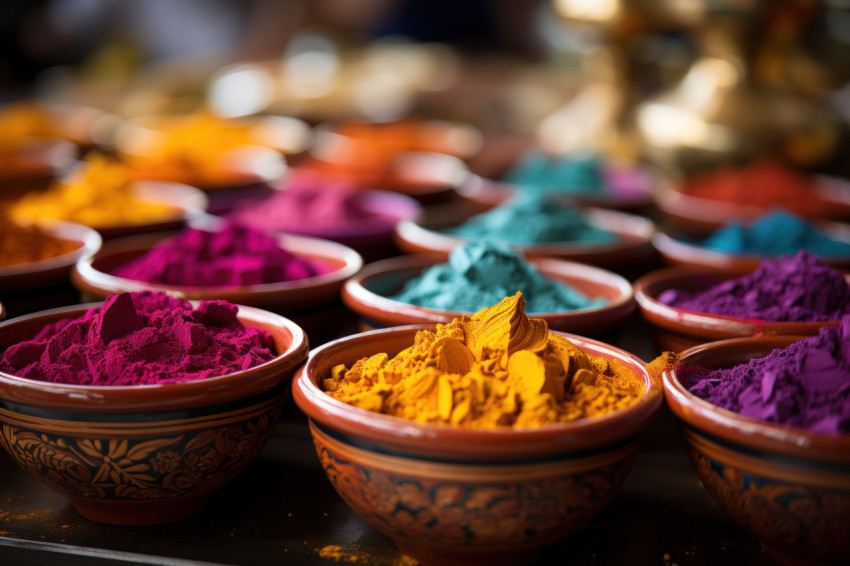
(806, 384)
(798, 288)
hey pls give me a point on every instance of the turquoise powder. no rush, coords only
(539, 172)
(480, 274)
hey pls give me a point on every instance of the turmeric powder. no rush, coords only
(25, 243)
(497, 368)
(98, 194)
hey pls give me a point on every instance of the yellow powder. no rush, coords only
(96, 194)
(496, 368)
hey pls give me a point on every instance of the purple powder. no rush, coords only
(798, 288)
(805, 385)
(234, 256)
(141, 338)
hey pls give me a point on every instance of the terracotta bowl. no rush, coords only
(788, 486)
(145, 454)
(92, 276)
(366, 294)
(634, 245)
(463, 496)
(678, 252)
(678, 329)
(53, 270)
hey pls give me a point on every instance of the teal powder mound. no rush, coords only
(775, 233)
(536, 171)
(480, 274)
(528, 219)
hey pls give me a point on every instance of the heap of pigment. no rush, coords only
(25, 243)
(775, 233)
(805, 385)
(98, 193)
(531, 218)
(233, 256)
(141, 338)
(798, 288)
(479, 274)
(497, 368)
(537, 171)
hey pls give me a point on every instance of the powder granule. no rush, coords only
(496, 368)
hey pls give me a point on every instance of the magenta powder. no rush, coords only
(805, 385)
(141, 338)
(798, 288)
(233, 256)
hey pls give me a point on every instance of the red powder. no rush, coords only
(764, 184)
(138, 339)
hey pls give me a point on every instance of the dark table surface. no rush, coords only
(283, 510)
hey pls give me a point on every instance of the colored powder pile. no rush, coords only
(775, 233)
(805, 385)
(25, 243)
(480, 274)
(581, 175)
(531, 219)
(233, 256)
(765, 183)
(310, 202)
(98, 194)
(798, 288)
(141, 338)
(497, 368)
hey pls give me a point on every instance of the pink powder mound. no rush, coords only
(310, 202)
(139, 339)
(234, 256)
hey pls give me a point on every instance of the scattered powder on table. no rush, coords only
(497, 368)
(233, 256)
(806, 384)
(98, 193)
(480, 274)
(775, 233)
(530, 218)
(25, 243)
(765, 183)
(798, 288)
(141, 338)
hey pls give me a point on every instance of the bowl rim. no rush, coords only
(90, 243)
(358, 297)
(647, 289)
(150, 397)
(472, 443)
(738, 429)
(84, 274)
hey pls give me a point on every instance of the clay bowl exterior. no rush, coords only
(634, 245)
(145, 454)
(367, 295)
(679, 329)
(787, 486)
(53, 270)
(93, 277)
(458, 496)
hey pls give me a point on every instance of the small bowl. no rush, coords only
(144, 454)
(679, 329)
(633, 246)
(53, 270)
(367, 295)
(450, 495)
(787, 486)
(36, 159)
(678, 252)
(92, 276)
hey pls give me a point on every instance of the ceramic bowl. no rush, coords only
(634, 245)
(788, 486)
(92, 276)
(35, 159)
(464, 496)
(367, 295)
(679, 252)
(53, 270)
(145, 454)
(678, 329)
